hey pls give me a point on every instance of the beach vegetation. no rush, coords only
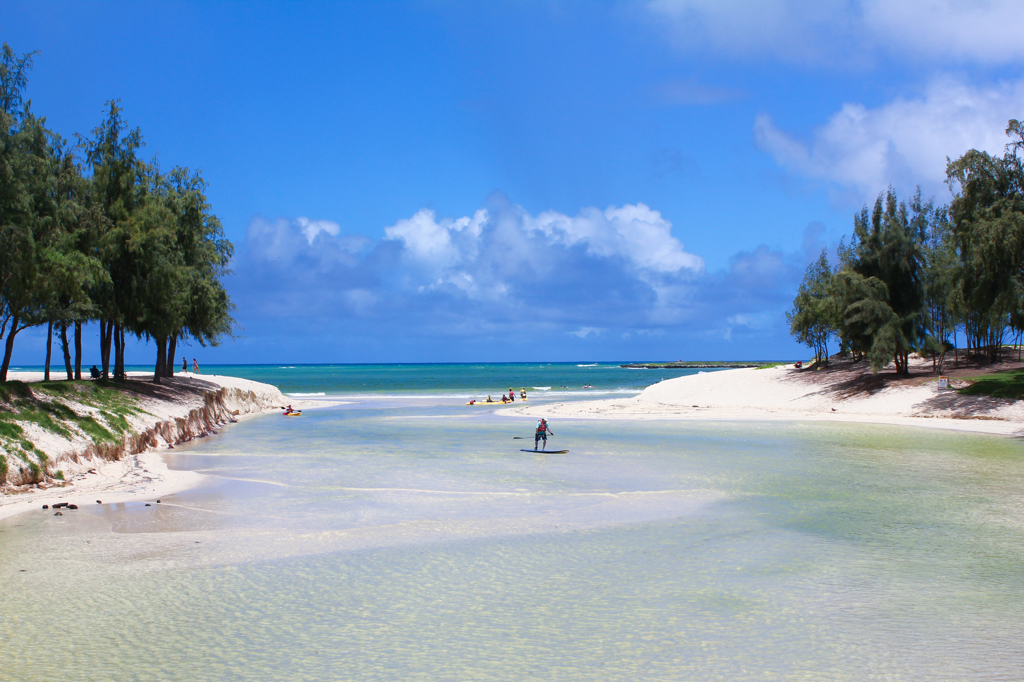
(1008, 385)
(813, 319)
(94, 430)
(916, 275)
(94, 232)
(58, 408)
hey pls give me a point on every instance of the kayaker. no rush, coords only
(511, 395)
(542, 432)
(522, 394)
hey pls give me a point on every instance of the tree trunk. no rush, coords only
(67, 350)
(49, 350)
(106, 330)
(161, 359)
(9, 347)
(124, 375)
(171, 350)
(118, 353)
(78, 351)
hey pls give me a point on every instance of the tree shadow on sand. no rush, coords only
(843, 379)
(174, 389)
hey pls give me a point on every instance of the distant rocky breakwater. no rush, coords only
(691, 365)
(56, 432)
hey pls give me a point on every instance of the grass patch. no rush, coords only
(49, 406)
(9, 390)
(9, 429)
(769, 365)
(94, 430)
(59, 475)
(28, 412)
(60, 387)
(997, 385)
(117, 422)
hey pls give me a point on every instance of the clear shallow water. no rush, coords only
(389, 542)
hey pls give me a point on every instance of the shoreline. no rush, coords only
(786, 394)
(179, 410)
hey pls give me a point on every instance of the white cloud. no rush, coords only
(311, 228)
(636, 233)
(589, 272)
(982, 30)
(849, 32)
(904, 142)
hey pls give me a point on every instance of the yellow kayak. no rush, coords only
(293, 414)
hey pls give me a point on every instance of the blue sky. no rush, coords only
(516, 181)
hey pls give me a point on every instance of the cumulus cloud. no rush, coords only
(311, 228)
(598, 282)
(598, 274)
(816, 32)
(904, 142)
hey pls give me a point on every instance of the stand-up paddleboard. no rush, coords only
(546, 452)
(493, 403)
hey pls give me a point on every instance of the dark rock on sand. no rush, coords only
(58, 514)
(72, 506)
(46, 506)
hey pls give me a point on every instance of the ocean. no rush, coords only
(405, 536)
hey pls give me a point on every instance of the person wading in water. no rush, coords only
(542, 432)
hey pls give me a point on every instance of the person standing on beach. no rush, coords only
(184, 364)
(195, 366)
(542, 432)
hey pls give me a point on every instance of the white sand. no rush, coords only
(142, 476)
(784, 393)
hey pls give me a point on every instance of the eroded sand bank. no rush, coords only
(178, 410)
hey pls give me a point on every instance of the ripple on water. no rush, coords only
(654, 551)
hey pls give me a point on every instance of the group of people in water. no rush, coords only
(510, 398)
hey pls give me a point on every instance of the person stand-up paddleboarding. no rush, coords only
(542, 432)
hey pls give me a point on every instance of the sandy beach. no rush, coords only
(843, 393)
(178, 410)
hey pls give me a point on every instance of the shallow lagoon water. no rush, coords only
(404, 540)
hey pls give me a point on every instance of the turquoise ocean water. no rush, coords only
(561, 380)
(404, 536)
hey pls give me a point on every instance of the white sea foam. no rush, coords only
(305, 395)
(591, 365)
(542, 388)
